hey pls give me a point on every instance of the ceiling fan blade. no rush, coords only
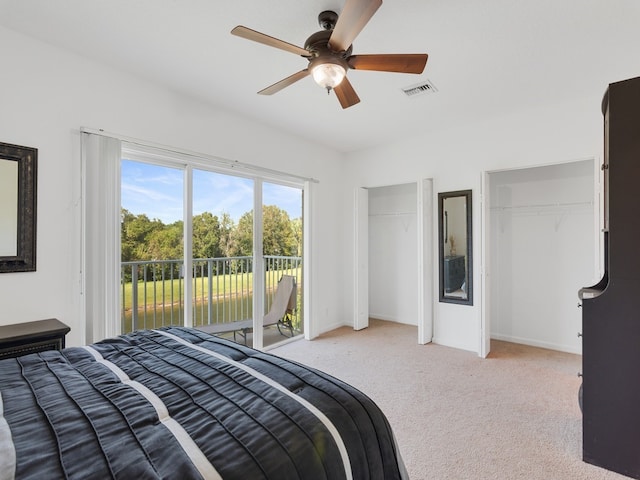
(401, 63)
(249, 34)
(347, 96)
(276, 87)
(355, 15)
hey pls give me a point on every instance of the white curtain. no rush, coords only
(100, 235)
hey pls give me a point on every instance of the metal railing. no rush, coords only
(152, 292)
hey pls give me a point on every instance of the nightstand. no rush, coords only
(30, 337)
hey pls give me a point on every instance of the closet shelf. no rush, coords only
(396, 214)
(543, 206)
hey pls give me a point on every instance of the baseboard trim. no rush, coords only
(537, 343)
(387, 318)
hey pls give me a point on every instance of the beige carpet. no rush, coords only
(513, 415)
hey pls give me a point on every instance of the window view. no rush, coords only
(151, 239)
(282, 249)
(219, 286)
(223, 253)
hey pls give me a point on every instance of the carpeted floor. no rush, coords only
(514, 415)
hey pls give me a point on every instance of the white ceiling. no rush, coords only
(486, 57)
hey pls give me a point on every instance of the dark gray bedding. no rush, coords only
(177, 403)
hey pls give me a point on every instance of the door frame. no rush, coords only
(426, 268)
(361, 259)
(485, 226)
(424, 256)
(485, 282)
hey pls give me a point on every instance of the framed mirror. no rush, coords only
(18, 190)
(455, 247)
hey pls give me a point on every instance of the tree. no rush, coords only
(228, 247)
(144, 239)
(242, 236)
(277, 235)
(166, 243)
(296, 226)
(135, 230)
(206, 236)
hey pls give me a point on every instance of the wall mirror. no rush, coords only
(18, 188)
(455, 252)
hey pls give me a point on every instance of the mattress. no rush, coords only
(177, 403)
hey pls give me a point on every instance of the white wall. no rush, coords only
(393, 244)
(455, 159)
(48, 94)
(543, 234)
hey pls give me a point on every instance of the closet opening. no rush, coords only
(541, 234)
(394, 258)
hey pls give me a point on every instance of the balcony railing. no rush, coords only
(153, 291)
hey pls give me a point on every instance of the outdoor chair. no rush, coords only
(283, 306)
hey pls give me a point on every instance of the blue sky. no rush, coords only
(157, 191)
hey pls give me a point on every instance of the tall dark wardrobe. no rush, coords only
(611, 309)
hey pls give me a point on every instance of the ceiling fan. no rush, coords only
(329, 52)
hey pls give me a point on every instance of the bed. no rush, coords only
(178, 403)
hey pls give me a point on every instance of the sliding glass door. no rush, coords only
(188, 251)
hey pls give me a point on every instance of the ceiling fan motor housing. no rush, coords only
(327, 19)
(318, 45)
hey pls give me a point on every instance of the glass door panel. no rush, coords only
(222, 244)
(152, 251)
(282, 250)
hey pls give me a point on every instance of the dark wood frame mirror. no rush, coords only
(455, 247)
(23, 257)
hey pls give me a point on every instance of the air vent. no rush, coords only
(421, 88)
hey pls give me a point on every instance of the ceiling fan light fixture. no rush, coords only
(328, 74)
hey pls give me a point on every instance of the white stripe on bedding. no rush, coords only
(192, 450)
(321, 416)
(7, 449)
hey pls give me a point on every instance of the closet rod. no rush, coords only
(544, 205)
(222, 161)
(398, 214)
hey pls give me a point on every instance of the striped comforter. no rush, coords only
(177, 403)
